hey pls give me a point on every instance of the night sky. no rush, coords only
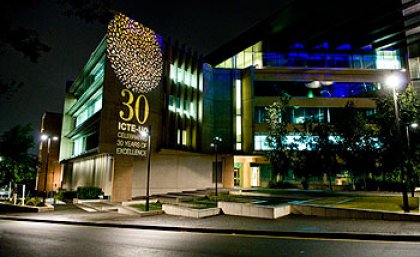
(202, 25)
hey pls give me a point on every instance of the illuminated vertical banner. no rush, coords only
(135, 54)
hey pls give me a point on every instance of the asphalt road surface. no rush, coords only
(19, 238)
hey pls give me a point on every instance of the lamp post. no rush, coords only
(215, 143)
(148, 134)
(410, 167)
(48, 138)
(393, 82)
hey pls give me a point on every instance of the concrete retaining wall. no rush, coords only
(254, 210)
(352, 213)
(189, 212)
(25, 208)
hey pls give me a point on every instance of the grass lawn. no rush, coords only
(299, 193)
(381, 203)
(152, 206)
(385, 203)
(202, 203)
(328, 200)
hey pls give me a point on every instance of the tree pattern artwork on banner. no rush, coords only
(135, 54)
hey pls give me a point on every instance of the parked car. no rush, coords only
(4, 191)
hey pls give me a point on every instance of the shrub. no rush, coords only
(35, 201)
(66, 196)
(89, 192)
(281, 185)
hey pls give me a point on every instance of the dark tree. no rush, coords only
(358, 141)
(28, 41)
(404, 149)
(277, 121)
(320, 155)
(17, 165)
(89, 10)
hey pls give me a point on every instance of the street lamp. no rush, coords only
(48, 138)
(214, 144)
(393, 82)
(147, 134)
(410, 167)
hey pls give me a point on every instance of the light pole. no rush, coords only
(410, 167)
(393, 82)
(215, 143)
(48, 138)
(148, 134)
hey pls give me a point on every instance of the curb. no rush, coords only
(244, 232)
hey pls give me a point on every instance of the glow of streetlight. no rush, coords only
(144, 133)
(414, 125)
(45, 137)
(393, 81)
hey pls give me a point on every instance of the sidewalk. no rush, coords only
(292, 225)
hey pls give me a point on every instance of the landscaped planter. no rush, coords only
(25, 208)
(189, 212)
(254, 210)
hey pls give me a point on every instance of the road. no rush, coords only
(19, 238)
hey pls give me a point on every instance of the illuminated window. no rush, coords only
(172, 72)
(387, 60)
(171, 103)
(238, 99)
(238, 94)
(88, 111)
(184, 137)
(178, 105)
(240, 60)
(180, 75)
(186, 108)
(248, 57)
(260, 142)
(187, 78)
(238, 129)
(98, 105)
(82, 117)
(194, 80)
(192, 110)
(78, 146)
(259, 115)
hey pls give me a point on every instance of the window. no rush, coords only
(260, 142)
(387, 60)
(171, 104)
(93, 107)
(259, 115)
(78, 146)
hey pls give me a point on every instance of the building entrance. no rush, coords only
(255, 176)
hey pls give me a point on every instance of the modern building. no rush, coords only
(48, 174)
(101, 143)
(322, 54)
(411, 11)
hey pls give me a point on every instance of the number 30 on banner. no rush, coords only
(133, 107)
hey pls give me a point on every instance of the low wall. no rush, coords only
(25, 208)
(189, 212)
(254, 210)
(352, 213)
